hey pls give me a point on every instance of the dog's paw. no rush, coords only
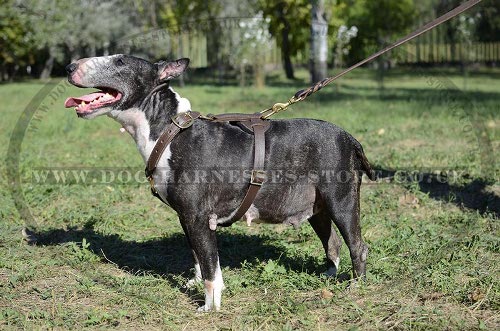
(207, 308)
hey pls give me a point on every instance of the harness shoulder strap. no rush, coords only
(258, 175)
(180, 122)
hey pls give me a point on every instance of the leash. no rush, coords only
(303, 94)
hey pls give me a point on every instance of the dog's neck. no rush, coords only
(147, 121)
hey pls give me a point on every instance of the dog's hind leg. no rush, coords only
(342, 203)
(322, 225)
(203, 241)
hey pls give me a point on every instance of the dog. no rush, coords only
(299, 150)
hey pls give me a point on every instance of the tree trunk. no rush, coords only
(287, 61)
(3, 73)
(319, 41)
(285, 46)
(13, 73)
(259, 75)
(49, 64)
(242, 75)
(381, 64)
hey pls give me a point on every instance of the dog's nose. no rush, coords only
(71, 67)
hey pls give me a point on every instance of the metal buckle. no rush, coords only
(152, 184)
(190, 121)
(258, 177)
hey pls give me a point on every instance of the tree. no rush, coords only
(183, 16)
(379, 23)
(319, 41)
(488, 27)
(288, 24)
(253, 42)
(15, 43)
(79, 28)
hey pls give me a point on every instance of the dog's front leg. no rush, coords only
(203, 241)
(197, 272)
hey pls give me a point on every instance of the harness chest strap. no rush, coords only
(182, 121)
(258, 175)
(179, 123)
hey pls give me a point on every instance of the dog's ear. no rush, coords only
(169, 70)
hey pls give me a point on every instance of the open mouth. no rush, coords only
(89, 103)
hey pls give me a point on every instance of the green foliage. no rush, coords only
(379, 23)
(15, 36)
(76, 28)
(81, 252)
(294, 15)
(181, 15)
(488, 28)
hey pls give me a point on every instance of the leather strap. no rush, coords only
(231, 117)
(180, 122)
(252, 122)
(258, 175)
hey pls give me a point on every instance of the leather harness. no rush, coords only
(252, 122)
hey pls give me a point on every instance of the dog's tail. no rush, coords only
(367, 168)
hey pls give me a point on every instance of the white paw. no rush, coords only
(207, 308)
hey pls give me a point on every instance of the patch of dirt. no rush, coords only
(409, 143)
(408, 199)
(4, 275)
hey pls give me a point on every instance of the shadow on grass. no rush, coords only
(468, 193)
(171, 256)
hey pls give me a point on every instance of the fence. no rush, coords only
(450, 53)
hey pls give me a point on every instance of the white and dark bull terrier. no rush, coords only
(136, 93)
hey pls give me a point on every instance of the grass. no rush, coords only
(111, 256)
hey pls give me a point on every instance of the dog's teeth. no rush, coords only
(83, 103)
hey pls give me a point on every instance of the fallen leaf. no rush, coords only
(476, 295)
(326, 294)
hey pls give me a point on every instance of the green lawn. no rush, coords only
(112, 256)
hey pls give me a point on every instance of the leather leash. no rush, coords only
(303, 94)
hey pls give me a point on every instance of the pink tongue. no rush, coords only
(72, 102)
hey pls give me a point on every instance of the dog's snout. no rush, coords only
(71, 67)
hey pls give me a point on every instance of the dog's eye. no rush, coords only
(119, 62)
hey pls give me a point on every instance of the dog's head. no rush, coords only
(122, 81)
